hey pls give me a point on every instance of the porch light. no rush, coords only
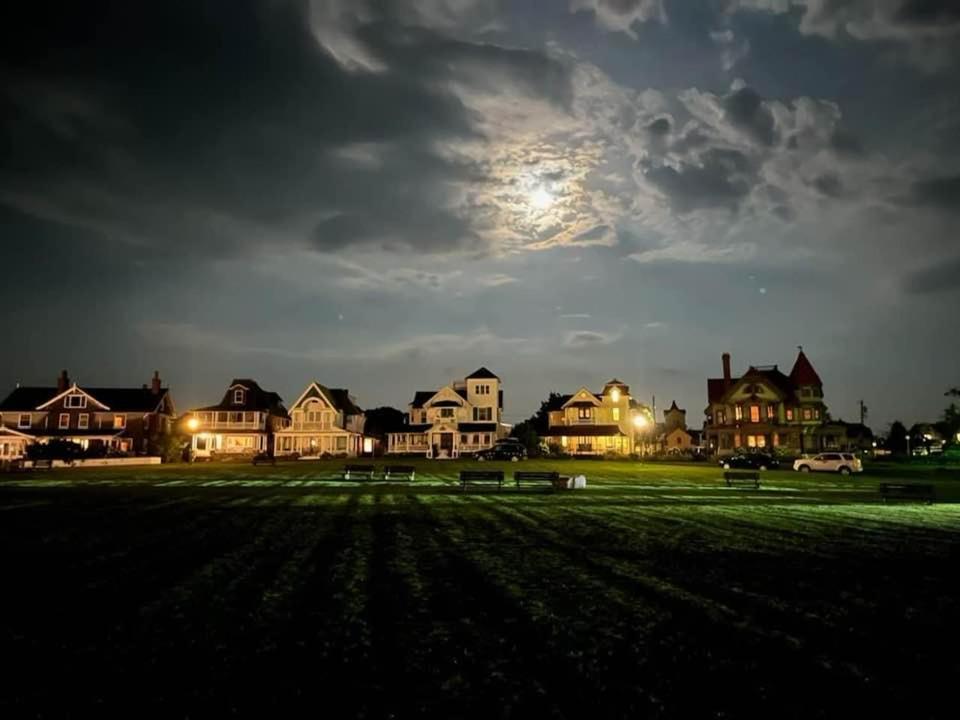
(639, 421)
(193, 424)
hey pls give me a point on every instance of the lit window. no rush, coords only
(238, 396)
(755, 413)
(771, 412)
(816, 413)
(806, 414)
(23, 421)
(790, 414)
(751, 441)
(738, 412)
(119, 422)
(563, 440)
(83, 421)
(616, 414)
(64, 421)
(584, 413)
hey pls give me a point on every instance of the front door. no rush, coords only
(446, 444)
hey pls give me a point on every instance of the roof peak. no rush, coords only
(803, 372)
(482, 373)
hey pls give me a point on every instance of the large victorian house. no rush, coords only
(244, 422)
(120, 420)
(325, 421)
(589, 423)
(460, 418)
(765, 409)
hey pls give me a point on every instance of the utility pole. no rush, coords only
(863, 412)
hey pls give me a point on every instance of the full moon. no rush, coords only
(541, 199)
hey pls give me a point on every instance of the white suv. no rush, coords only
(843, 463)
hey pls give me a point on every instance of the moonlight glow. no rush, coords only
(541, 198)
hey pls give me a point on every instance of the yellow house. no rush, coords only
(322, 421)
(589, 423)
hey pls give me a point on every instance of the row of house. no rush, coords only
(762, 409)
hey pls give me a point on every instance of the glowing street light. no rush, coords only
(193, 424)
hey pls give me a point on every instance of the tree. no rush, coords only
(541, 419)
(951, 417)
(383, 420)
(897, 438)
(527, 434)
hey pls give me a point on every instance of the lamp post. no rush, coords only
(638, 422)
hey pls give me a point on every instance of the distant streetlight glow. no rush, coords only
(639, 421)
(193, 424)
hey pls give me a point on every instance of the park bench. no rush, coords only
(746, 478)
(525, 476)
(399, 472)
(470, 477)
(907, 491)
(359, 472)
(264, 459)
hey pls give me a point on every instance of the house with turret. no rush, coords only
(764, 409)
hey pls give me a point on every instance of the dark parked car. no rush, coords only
(749, 461)
(506, 449)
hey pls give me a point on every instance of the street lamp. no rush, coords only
(193, 424)
(639, 423)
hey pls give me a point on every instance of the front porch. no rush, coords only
(440, 444)
(205, 445)
(317, 444)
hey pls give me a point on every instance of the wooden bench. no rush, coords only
(536, 477)
(922, 492)
(359, 472)
(402, 472)
(746, 478)
(469, 477)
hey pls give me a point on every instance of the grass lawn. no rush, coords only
(209, 589)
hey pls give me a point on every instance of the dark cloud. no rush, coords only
(828, 184)
(928, 12)
(746, 110)
(722, 178)
(207, 126)
(846, 143)
(942, 193)
(940, 277)
(659, 127)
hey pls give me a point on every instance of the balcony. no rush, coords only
(312, 426)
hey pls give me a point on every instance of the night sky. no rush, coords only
(387, 195)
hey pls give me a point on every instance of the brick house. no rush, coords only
(764, 409)
(123, 420)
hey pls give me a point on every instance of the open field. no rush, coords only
(654, 592)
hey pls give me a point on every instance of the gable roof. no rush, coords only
(591, 398)
(338, 398)
(803, 372)
(254, 399)
(27, 399)
(482, 374)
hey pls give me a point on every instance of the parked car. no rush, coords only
(749, 461)
(506, 449)
(843, 463)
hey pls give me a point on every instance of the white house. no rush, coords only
(323, 421)
(459, 418)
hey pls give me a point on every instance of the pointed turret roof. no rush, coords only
(803, 372)
(482, 374)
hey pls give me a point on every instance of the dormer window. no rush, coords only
(75, 401)
(238, 396)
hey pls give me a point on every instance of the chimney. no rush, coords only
(726, 368)
(155, 383)
(63, 381)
